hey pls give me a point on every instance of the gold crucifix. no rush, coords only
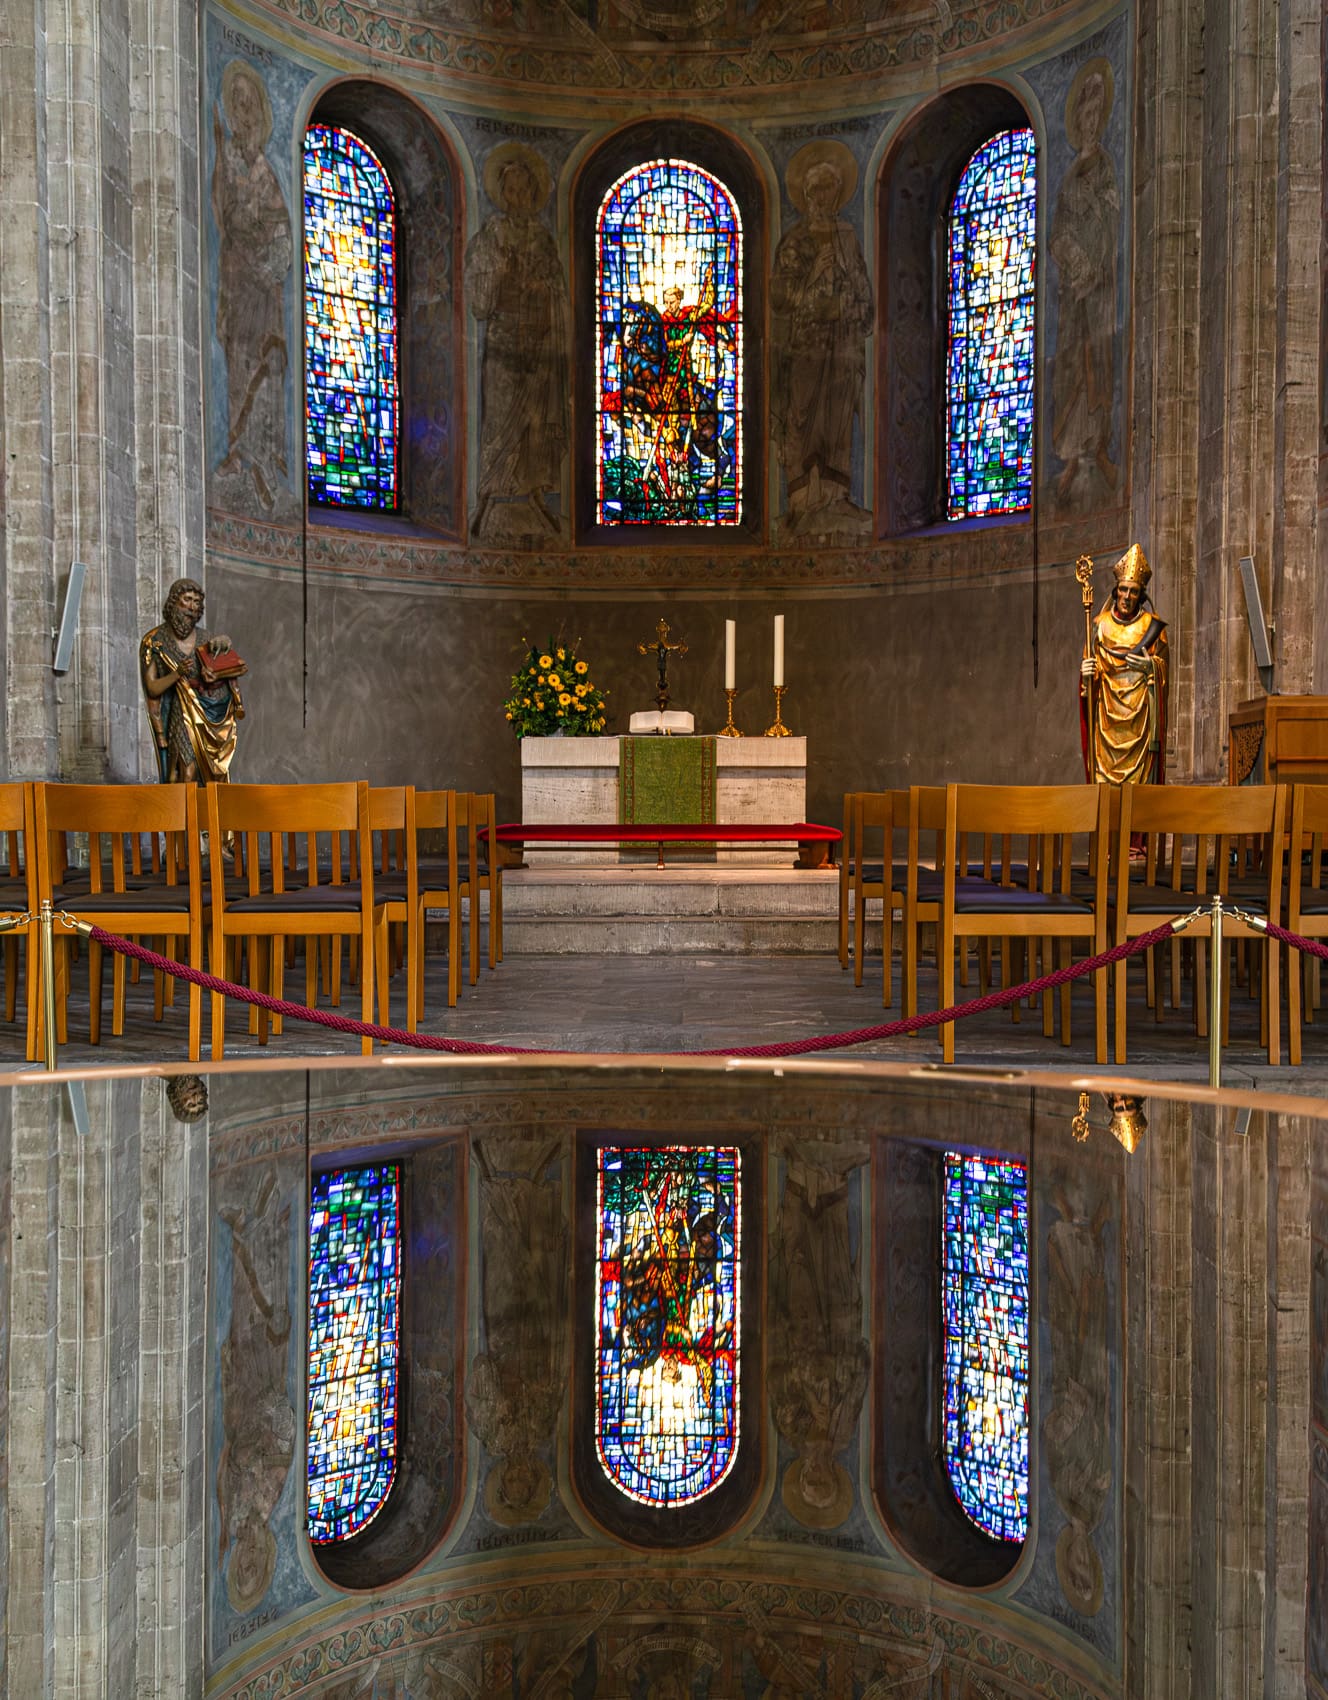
(661, 649)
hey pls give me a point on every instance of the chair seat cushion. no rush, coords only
(303, 900)
(981, 897)
(163, 898)
(13, 893)
(1314, 900)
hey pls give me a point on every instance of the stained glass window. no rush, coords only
(354, 1330)
(989, 368)
(668, 358)
(667, 1278)
(984, 1303)
(350, 322)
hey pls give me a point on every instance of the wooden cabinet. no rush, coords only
(1280, 738)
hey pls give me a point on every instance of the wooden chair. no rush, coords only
(1048, 818)
(116, 892)
(18, 896)
(438, 887)
(848, 853)
(1307, 897)
(270, 906)
(1191, 833)
(396, 888)
(476, 810)
(882, 880)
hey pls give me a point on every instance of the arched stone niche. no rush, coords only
(913, 1487)
(422, 170)
(425, 1496)
(916, 187)
(725, 158)
(716, 1514)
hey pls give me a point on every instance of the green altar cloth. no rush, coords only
(666, 780)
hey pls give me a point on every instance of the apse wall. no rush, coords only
(384, 646)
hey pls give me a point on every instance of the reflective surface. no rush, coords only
(161, 1303)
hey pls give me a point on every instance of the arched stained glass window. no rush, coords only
(667, 1303)
(354, 1335)
(668, 357)
(350, 323)
(989, 365)
(984, 1319)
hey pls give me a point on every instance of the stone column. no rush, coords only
(1237, 322)
(1168, 107)
(1300, 610)
(27, 729)
(168, 395)
(100, 369)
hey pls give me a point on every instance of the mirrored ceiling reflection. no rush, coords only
(704, 1383)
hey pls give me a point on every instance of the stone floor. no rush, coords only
(624, 1003)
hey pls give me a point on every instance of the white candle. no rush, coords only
(779, 649)
(730, 655)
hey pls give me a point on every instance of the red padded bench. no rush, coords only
(815, 843)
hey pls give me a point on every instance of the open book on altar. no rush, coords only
(657, 720)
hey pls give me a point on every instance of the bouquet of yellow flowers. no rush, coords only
(552, 693)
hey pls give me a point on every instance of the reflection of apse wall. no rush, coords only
(1316, 1646)
(533, 1582)
(420, 632)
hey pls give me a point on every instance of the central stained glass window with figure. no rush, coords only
(667, 1295)
(668, 359)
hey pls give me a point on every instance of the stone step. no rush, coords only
(673, 911)
(677, 935)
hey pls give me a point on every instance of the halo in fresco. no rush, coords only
(807, 158)
(1098, 67)
(516, 153)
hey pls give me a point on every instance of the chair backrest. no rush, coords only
(116, 819)
(474, 809)
(1044, 819)
(434, 813)
(335, 815)
(873, 812)
(1309, 835)
(387, 826)
(1192, 833)
(16, 837)
(13, 828)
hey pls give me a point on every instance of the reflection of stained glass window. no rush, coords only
(354, 1317)
(984, 1304)
(666, 1307)
(989, 368)
(668, 354)
(350, 322)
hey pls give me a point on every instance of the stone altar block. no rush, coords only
(576, 779)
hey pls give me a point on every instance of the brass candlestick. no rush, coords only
(778, 730)
(728, 729)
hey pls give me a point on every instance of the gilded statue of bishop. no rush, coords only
(190, 685)
(1123, 682)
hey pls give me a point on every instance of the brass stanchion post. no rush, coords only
(46, 924)
(1215, 997)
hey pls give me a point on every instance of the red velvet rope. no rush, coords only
(786, 1048)
(1312, 947)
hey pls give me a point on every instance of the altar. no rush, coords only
(578, 779)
